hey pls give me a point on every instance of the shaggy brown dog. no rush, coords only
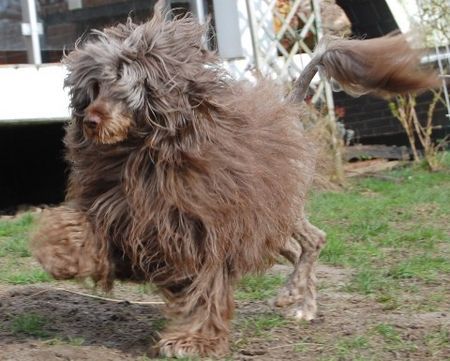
(183, 177)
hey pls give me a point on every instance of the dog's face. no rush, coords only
(105, 120)
(129, 79)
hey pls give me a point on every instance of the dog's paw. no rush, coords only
(191, 344)
(298, 312)
(294, 305)
(65, 246)
(302, 312)
(286, 297)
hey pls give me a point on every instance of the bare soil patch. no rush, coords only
(83, 328)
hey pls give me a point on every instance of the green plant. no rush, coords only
(30, 324)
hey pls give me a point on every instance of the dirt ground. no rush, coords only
(78, 327)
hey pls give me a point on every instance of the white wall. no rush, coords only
(30, 93)
(33, 93)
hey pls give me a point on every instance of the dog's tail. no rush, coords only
(382, 66)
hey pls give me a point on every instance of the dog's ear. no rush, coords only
(177, 71)
(93, 61)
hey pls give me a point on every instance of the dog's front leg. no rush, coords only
(65, 245)
(200, 315)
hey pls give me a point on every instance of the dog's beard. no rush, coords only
(114, 130)
(114, 122)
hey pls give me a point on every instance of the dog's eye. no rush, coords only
(95, 91)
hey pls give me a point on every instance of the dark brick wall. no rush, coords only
(372, 120)
(369, 117)
(62, 26)
(13, 57)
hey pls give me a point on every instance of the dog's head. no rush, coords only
(131, 78)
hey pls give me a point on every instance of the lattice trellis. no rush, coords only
(284, 33)
(275, 23)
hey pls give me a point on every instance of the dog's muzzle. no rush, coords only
(92, 121)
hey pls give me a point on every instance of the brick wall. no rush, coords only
(372, 120)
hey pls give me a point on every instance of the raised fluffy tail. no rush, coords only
(383, 66)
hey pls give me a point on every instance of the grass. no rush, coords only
(355, 348)
(388, 332)
(439, 339)
(423, 267)
(258, 288)
(368, 281)
(372, 342)
(392, 339)
(159, 324)
(30, 324)
(348, 346)
(146, 288)
(262, 324)
(388, 231)
(25, 276)
(14, 236)
(16, 265)
(18, 226)
(15, 246)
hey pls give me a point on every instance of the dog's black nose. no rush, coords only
(92, 121)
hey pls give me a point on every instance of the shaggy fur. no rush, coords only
(182, 177)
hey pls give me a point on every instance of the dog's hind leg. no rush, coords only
(291, 250)
(200, 313)
(300, 290)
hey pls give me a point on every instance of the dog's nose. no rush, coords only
(92, 120)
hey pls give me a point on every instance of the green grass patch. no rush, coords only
(335, 251)
(9, 228)
(30, 324)
(434, 301)
(367, 281)
(146, 288)
(16, 267)
(388, 332)
(351, 347)
(301, 347)
(25, 277)
(15, 246)
(14, 236)
(256, 288)
(389, 298)
(438, 340)
(393, 340)
(424, 267)
(261, 325)
(159, 324)
(425, 238)
(388, 230)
